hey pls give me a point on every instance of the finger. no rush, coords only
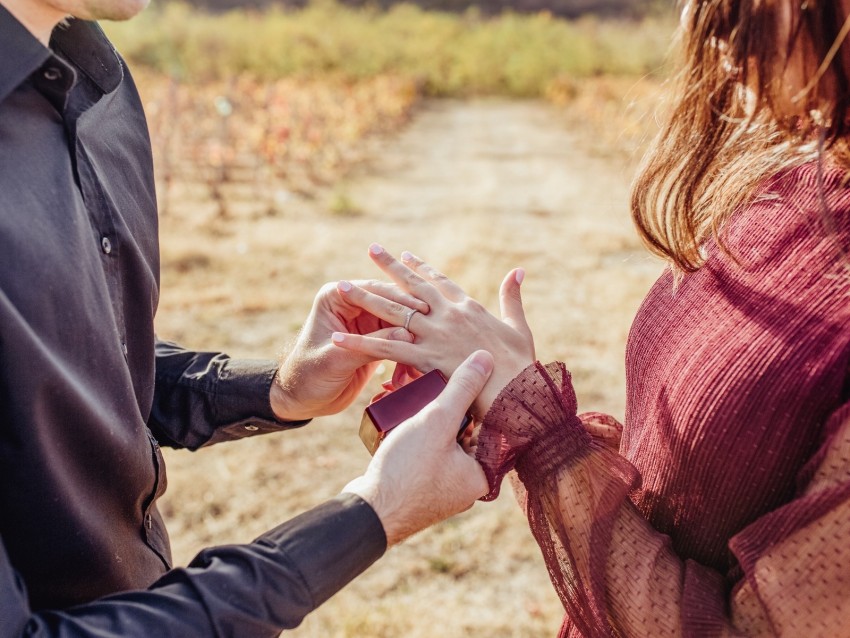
(472, 433)
(510, 302)
(393, 334)
(393, 312)
(469, 441)
(375, 348)
(393, 293)
(356, 358)
(464, 386)
(445, 285)
(404, 276)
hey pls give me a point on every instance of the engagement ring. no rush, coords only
(407, 319)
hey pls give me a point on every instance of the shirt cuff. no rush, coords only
(331, 544)
(531, 427)
(243, 400)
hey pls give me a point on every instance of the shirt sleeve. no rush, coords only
(256, 590)
(202, 398)
(618, 576)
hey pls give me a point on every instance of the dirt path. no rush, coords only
(476, 188)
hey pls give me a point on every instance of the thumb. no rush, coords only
(510, 302)
(465, 385)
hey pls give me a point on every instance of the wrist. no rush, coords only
(500, 379)
(370, 491)
(284, 407)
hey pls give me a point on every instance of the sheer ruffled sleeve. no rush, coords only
(616, 575)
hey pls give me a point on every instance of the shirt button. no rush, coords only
(51, 74)
(124, 348)
(106, 245)
(251, 428)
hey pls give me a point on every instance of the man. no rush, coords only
(87, 392)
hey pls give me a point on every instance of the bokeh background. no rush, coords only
(478, 135)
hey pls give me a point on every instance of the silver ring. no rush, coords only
(408, 317)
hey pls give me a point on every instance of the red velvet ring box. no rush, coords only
(387, 412)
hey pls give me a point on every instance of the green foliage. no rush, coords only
(447, 54)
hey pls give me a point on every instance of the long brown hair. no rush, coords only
(720, 139)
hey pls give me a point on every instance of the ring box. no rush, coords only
(383, 415)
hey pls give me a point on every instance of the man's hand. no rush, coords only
(420, 475)
(317, 378)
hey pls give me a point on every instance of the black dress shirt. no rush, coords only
(87, 393)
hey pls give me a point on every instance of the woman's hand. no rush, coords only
(317, 378)
(455, 326)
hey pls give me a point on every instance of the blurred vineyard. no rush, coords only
(247, 147)
(247, 143)
(249, 110)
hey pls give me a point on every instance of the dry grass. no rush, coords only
(477, 188)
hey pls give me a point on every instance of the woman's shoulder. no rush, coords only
(813, 186)
(795, 210)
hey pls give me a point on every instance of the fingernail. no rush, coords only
(376, 249)
(519, 276)
(337, 337)
(482, 362)
(406, 256)
(399, 334)
(344, 286)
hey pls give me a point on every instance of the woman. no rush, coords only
(723, 504)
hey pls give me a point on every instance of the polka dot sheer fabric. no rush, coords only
(722, 507)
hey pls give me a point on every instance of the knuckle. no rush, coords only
(412, 278)
(454, 314)
(473, 306)
(385, 349)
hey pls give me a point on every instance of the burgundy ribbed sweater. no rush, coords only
(723, 504)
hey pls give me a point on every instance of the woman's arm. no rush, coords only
(617, 575)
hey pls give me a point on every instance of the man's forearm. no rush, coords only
(206, 397)
(256, 589)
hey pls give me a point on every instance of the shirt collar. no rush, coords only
(82, 43)
(20, 53)
(85, 45)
